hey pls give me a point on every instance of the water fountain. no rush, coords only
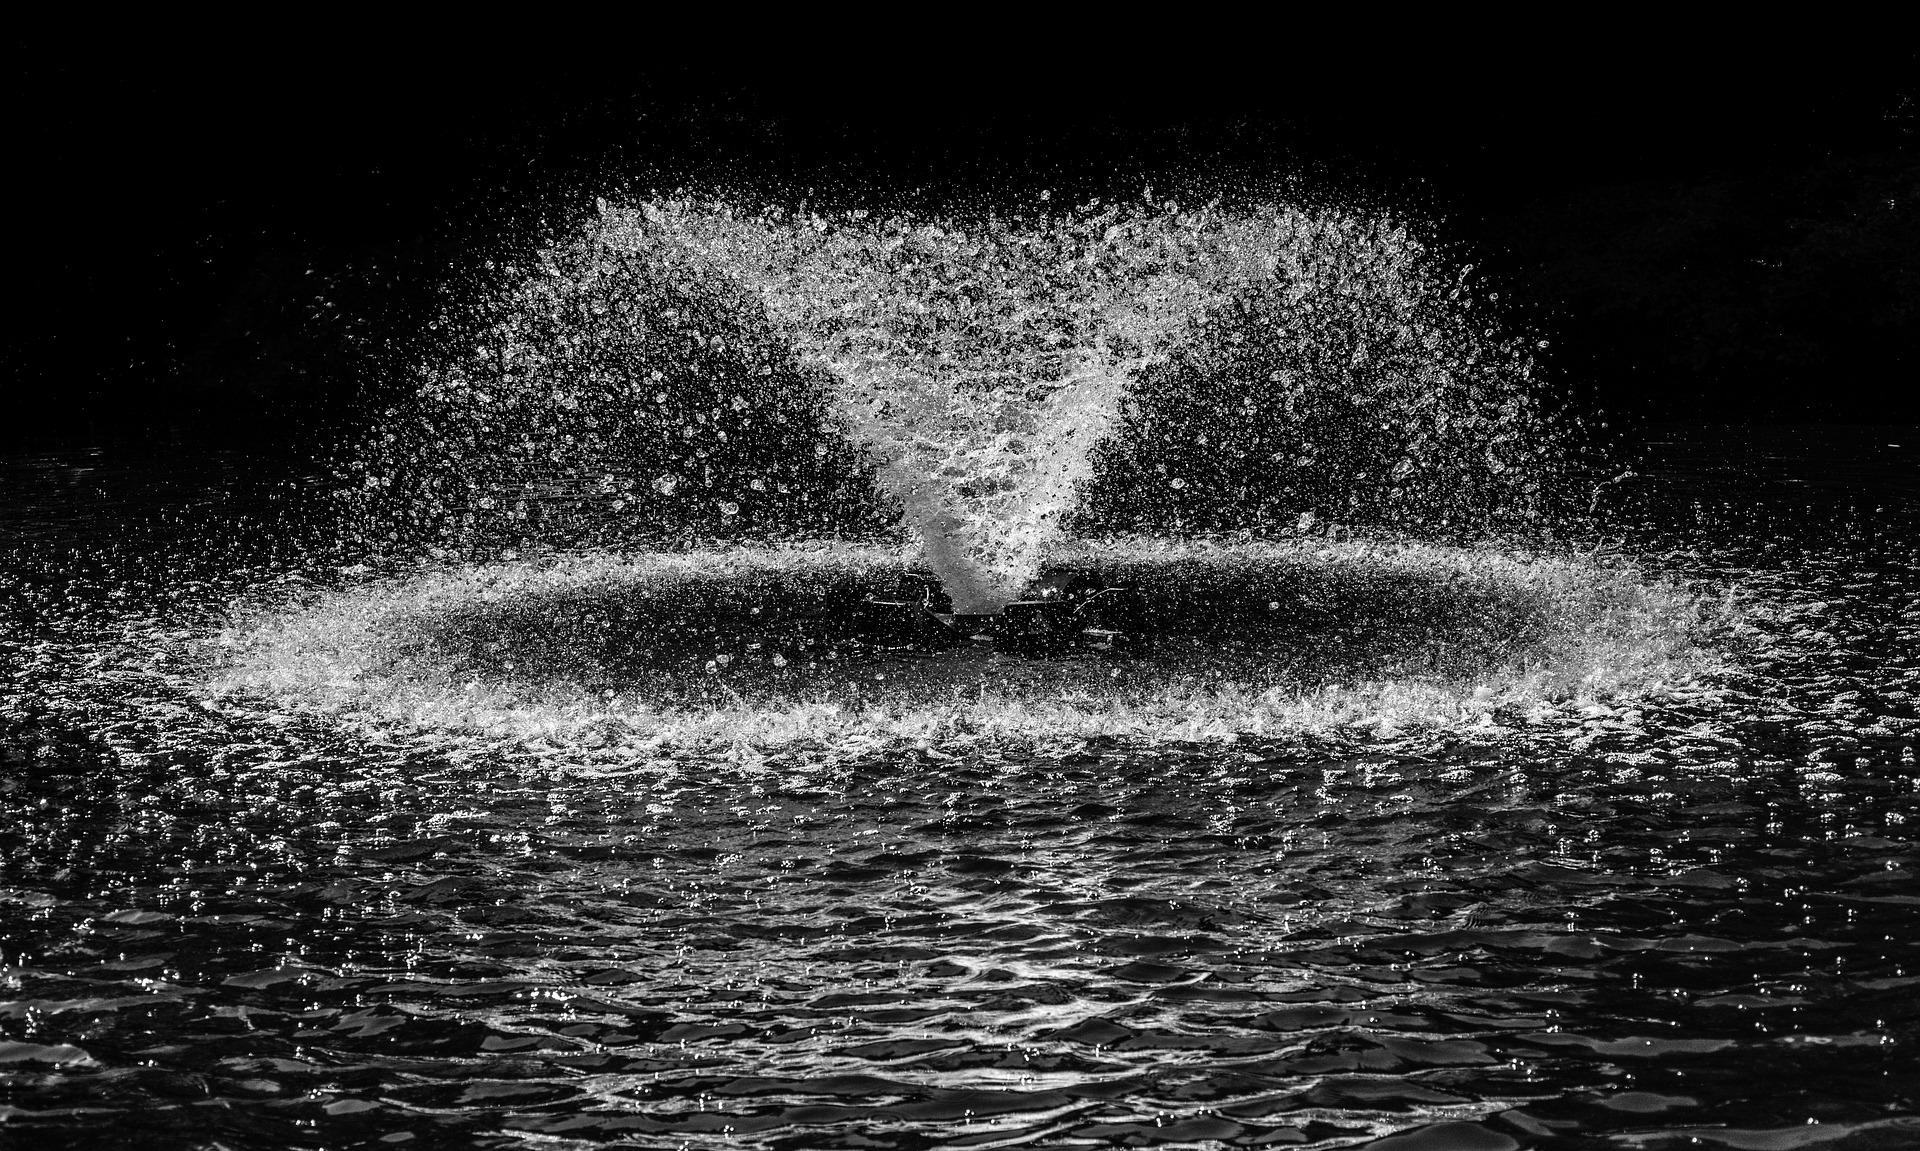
(954, 393)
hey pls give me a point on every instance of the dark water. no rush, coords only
(1687, 922)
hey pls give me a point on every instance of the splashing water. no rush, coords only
(984, 377)
(597, 840)
(714, 652)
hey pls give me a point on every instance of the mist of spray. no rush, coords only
(982, 382)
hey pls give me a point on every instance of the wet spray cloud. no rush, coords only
(696, 368)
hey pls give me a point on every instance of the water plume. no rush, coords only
(984, 382)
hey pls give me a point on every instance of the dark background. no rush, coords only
(246, 243)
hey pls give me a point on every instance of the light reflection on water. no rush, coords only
(1685, 918)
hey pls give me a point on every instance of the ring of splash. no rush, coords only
(708, 650)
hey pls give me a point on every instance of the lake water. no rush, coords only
(1691, 920)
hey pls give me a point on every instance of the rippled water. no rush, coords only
(1690, 920)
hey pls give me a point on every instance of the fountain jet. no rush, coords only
(978, 365)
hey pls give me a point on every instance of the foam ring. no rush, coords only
(753, 646)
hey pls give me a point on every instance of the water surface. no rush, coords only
(1682, 921)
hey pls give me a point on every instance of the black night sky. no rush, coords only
(247, 244)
